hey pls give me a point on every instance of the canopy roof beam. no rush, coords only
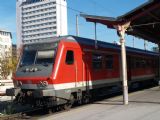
(154, 16)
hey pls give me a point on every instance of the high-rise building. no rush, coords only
(38, 20)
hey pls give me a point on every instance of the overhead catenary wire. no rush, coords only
(97, 4)
(138, 25)
(73, 9)
(102, 6)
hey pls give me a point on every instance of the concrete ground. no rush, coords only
(143, 105)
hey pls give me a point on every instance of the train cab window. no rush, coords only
(97, 61)
(69, 57)
(109, 61)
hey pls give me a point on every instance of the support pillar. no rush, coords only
(124, 71)
(121, 32)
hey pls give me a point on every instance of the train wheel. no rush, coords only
(52, 110)
(69, 104)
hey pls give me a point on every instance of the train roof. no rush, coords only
(91, 42)
(102, 44)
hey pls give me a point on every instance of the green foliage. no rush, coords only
(7, 65)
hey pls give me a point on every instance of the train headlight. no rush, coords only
(31, 69)
(35, 69)
(27, 70)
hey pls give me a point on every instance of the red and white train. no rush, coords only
(67, 69)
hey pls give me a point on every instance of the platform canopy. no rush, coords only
(145, 21)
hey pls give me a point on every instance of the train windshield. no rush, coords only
(38, 54)
(28, 57)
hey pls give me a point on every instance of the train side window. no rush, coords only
(153, 63)
(137, 63)
(69, 57)
(109, 61)
(97, 61)
(133, 66)
(144, 63)
(148, 63)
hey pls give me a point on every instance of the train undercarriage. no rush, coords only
(37, 99)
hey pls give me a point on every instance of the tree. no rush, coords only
(7, 65)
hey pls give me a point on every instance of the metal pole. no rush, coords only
(95, 30)
(77, 26)
(121, 30)
(133, 41)
(145, 45)
(159, 64)
(95, 27)
(124, 71)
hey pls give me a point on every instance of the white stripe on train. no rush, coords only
(83, 83)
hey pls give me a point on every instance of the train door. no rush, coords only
(68, 70)
(78, 68)
(72, 70)
(87, 69)
(129, 68)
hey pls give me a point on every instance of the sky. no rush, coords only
(110, 8)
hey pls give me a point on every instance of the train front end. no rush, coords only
(33, 76)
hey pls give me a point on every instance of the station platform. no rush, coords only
(143, 105)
